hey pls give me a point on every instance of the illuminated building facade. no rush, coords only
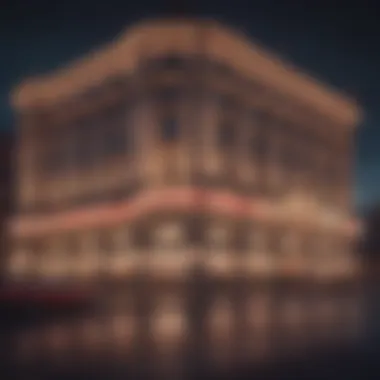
(181, 143)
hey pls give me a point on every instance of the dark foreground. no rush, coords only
(264, 334)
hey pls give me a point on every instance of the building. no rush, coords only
(179, 144)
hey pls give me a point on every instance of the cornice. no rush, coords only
(152, 38)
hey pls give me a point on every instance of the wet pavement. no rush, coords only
(227, 333)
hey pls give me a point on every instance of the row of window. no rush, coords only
(112, 133)
(174, 236)
(83, 147)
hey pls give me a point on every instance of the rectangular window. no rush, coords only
(84, 149)
(196, 230)
(54, 160)
(241, 238)
(170, 129)
(56, 157)
(227, 135)
(275, 242)
(168, 95)
(227, 103)
(72, 244)
(169, 237)
(172, 62)
(260, 146)
(218, 237)
(105, 242)
(115, 141)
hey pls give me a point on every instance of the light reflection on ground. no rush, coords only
(261, 326)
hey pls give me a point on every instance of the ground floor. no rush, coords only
(170, 244)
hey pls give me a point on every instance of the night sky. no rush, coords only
(337, 43)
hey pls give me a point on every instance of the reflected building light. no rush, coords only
(259, 312)
(122, 330)
(93, 333)
(169, 323)
(292, 314)
(351, 319)
(293, 333)
(220, 329)
(259, 337)
(57, 339)
(220, 319)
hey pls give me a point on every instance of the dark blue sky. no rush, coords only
(338, 43)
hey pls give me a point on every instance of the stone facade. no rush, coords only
(182, 144)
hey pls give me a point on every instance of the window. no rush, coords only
(242, 238)
(169, 236)
(115, 138)
(308, 245)
(255, 239)
(172, 62)
(217, 237)
(72, 244)
(105, 242)
(226, 135)
(260, 145)
(169, 129)
(142, 238)
(127, 240)
(54, 160)
(84, 149)
(168, 95)
(196, 230)
(57, 155)
(227, 102)
(276, 241)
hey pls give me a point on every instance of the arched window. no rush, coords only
(169, 236)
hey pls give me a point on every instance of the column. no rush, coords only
(72, 165)
(274, 166)
(121, 262)
(219, 243)
(26, 180)
(186, 141)
(245, 170)
(144, 164)
(201, 135)
(259, 260)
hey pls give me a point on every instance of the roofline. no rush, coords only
(101, 63)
